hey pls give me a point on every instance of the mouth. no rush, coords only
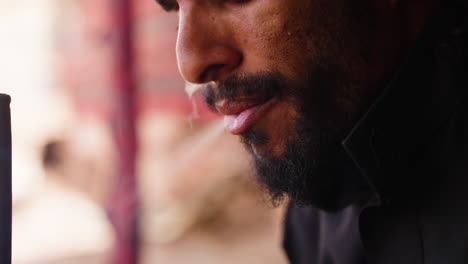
(241, 114)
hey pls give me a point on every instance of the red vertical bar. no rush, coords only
(123, 208)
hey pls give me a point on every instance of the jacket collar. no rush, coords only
(423, 93)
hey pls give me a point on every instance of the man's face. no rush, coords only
(291, 78)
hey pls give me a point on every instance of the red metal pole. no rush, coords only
(100, 72)
(123, 208)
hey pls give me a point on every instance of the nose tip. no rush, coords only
(201, 65)
(205, 51)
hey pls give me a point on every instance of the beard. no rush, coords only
(329, 97)
(308, 172)
(313, 168)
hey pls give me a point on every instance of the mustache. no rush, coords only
(259, 86)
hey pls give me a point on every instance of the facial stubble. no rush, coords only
(313, 168)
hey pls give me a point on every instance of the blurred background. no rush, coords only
(112, 163)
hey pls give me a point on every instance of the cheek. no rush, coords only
(272, 37)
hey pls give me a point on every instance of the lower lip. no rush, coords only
(237, 124)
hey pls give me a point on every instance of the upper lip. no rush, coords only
(234, 107)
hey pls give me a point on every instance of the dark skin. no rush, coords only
(357, 44)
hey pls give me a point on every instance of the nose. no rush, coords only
(205, 49)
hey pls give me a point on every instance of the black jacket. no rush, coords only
(412, 149)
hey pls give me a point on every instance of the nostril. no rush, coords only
(211, 73)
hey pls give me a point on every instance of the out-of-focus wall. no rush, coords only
(51, 220)
(26, 73)
(198, 202)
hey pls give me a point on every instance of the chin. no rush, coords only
(301, 166)
(263, 145)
